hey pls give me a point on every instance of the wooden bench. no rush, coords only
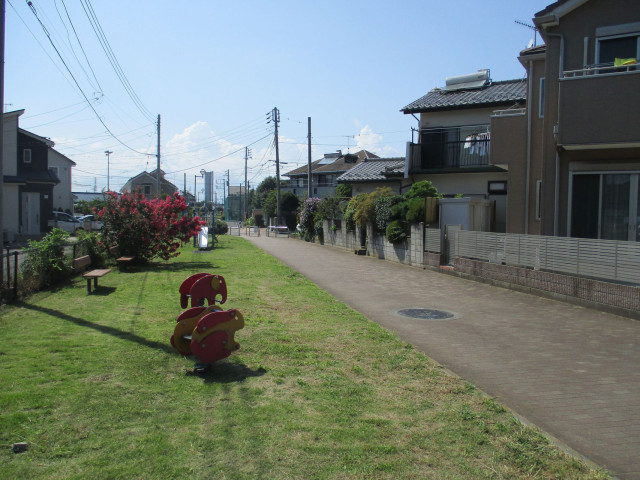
(81, 263)
(122, 261)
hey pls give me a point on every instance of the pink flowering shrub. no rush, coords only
(308, 212)
(147, 228)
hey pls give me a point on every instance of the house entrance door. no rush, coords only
(30, 213)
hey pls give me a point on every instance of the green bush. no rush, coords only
(220, 227)
(384, 211)
(46, 263)
(415, 210)
(351, 209)
(343, 190)
(396, 232)
(89, 244)
(422, 189)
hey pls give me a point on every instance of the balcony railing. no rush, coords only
(451, 149)
(602, 69)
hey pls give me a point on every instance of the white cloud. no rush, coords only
(373, 142)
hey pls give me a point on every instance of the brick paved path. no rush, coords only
(573, 372)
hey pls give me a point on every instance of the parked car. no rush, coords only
(95, 224)
(65, 222)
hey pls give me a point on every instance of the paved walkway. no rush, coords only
(573, 372)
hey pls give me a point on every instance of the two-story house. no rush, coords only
(324, 173)
(27, 181)
(454, 144)
(575, 149)
(147, 184)
(60, 166)
(590, 137)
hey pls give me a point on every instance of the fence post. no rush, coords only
(8, 269)
(15, 274)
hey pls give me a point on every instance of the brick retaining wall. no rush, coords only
(592, 292)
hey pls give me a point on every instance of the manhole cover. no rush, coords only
(426, 313)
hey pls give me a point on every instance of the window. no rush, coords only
(147, 189)
(54, 170)
(538, 199)
(605, 205)
(26, 155)
(617, 43)
(619, 47)
(497, 188)
(541, 99)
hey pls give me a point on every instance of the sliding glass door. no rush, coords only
(605, 205)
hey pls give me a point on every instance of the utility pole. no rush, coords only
(309, 160)
(158, 159)
(2, 7)
(108, 153)
(226, 215)
(275, 118)
(247, 155)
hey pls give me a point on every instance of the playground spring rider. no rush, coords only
(206, 332)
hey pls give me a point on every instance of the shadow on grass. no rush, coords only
(102, 291)
(115, 332)
(226, 372)
(179, 266)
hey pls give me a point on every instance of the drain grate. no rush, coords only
(426, 313)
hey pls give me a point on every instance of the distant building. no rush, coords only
(324, 173)
(147, 184)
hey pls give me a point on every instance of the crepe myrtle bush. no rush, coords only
(146, 228)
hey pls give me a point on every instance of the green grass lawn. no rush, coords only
(92, 383)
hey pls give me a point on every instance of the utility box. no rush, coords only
(470, 213)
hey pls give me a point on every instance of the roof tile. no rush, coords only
(496, 93)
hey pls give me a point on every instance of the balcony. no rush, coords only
(599, 106)
(451, 149)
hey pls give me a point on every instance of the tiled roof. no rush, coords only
(375, 170)
(496, 93)
(339, 165)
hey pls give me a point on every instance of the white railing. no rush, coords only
(602, 259)
(600, 70)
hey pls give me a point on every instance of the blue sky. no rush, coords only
(213, 69)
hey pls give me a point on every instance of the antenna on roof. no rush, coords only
(532, 27)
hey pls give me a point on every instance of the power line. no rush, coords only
(106, 47)
(75, 81)
(219, 158)
(81, 47)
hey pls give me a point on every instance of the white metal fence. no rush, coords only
(432, 240)
(602, 259)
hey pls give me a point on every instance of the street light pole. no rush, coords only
(107, 152)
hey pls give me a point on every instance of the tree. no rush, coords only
(147, 228)
(289, 203)
(263, 190)
(270, 204)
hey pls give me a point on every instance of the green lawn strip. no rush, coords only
(316, 390)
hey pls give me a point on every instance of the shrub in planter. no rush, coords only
(396, 232)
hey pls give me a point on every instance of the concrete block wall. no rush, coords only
(340, 238)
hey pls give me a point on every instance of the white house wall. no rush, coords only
(62, 197)
(456, 118)
(10, 203)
